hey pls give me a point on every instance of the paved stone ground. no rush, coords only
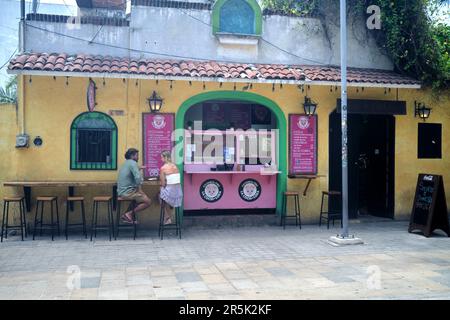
(263, 262)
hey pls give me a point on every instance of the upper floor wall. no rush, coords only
(197, 30)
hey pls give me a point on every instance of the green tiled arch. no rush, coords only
(252, 3)
(239, 96)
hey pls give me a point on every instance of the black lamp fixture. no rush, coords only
(309, 107)
(155, 102)
(421, 110)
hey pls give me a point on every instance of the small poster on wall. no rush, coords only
(302, 144)
(157, 137)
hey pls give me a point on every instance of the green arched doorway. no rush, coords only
(247, 97)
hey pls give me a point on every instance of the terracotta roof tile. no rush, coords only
(107, 64)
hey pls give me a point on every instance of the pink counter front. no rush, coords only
(250, 189)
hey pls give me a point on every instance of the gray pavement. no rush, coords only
(257, 262)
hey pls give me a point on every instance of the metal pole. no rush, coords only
(22, 27)
(343, 29)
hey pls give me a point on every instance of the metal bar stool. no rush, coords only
(119, 225)
(5, 220)
(110, 226)
(296, 215)
(327, 215)
(172, 226)
(42, 200)
(73, 200)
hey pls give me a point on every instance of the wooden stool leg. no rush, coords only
(110, 220)
(67, 219)
(57, 216)
(83, 215)
(42, 217)
(21, 218)
(133, 204)
(35, 219)
(161, 219)
(93, 219)
(7, 220)
(297, 204)
(321, 211)
(161, 213)
(3, 218)
(328, 212)
(112, 217)
(118, 208)
(22, 209)
(52, 224)
(178, 213)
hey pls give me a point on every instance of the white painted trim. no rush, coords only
(208, 79)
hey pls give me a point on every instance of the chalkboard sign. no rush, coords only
(429, 210)
(157, 137)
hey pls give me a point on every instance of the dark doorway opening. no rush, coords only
(371, 142)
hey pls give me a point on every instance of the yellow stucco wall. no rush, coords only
(51, 105)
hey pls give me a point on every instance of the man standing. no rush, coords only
(129, 184)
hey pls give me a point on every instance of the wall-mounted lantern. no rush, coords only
(155, 102)
(309, 107)
(421, 110)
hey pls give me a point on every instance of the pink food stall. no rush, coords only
(234, 176)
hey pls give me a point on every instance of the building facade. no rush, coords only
(230, 66)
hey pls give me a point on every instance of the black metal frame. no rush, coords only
(23, 222)
(296, 215)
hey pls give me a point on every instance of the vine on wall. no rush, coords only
(417, 44)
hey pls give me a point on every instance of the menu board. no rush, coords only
(214, 115)
(429, 210)
(157, 137)
(302, 144)
(240, 116)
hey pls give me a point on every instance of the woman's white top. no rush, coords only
(173, 178)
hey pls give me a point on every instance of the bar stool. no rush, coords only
(327, 215)
(5, 222)
(131, 207)
(42, 200)
(73, 200)
(296, 214)
(110, 226)
(172, 226)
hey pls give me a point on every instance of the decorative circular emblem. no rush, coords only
(154, 172)
(158, 122)
(211, 190)
(249, 190)
(303, 122)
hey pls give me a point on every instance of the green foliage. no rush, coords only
(417, 45)
(290, 7)
(8, 94)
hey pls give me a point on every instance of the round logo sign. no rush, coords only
(211, 190)
(158, 122)
(303, 122)
(249, 190)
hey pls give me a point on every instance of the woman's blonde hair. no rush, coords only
(166, 155)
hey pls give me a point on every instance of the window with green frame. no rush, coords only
(237, 17)
(93, 142)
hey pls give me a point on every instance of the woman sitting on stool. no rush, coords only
(171, 191)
